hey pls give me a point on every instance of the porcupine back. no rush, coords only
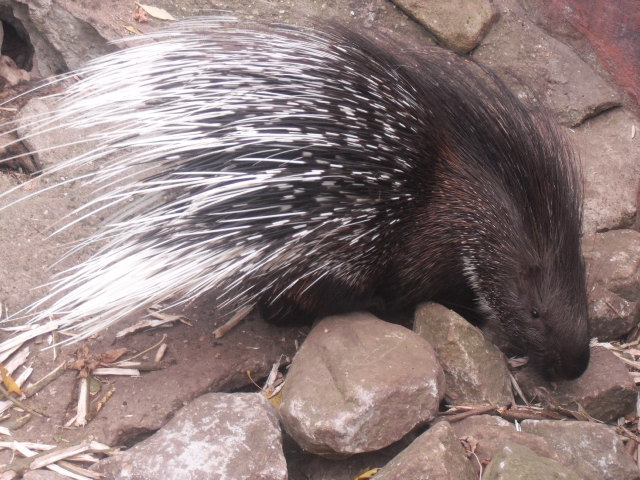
(306, 171)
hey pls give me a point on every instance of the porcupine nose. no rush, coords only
(574, 366)
(570, 364)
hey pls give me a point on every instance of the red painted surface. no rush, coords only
(612, 27)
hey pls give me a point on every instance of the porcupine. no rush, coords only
(307, 171)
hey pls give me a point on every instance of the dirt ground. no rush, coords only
(194, 364)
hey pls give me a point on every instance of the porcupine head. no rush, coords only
(504, 214)
(535, 285)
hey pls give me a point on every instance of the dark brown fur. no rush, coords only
(494, 216)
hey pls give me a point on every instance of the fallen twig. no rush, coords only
(18, 403)
(46, 380)
(240, 315)
(160, 344)
(451, 418)
(161, 319)
(14, 423)
(509, 412)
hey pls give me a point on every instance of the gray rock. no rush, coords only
(611, 317)
(217, 436)
(516, 462)
(475, 369)
(61, 38)
(358, 384)
(47, 60)
(13, 156)
(307, 466)
(74, 34)
(594, 450)
(614, 261)
(493, 433)
(536, 66)
(605, 390)
(611, 165)
(437, 453)
(614, 275)
(460, 24)
(10, 72)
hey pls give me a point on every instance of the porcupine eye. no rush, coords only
(535, 313)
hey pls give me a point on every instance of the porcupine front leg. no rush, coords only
(303, 303)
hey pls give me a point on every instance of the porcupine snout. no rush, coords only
(567, 353)
(553, 320)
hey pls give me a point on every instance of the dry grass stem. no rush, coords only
(160, 353)
(34, 460)
(18, 403)
(14, 423)
(516, 386)
(160, 319)
(82, 472)
(103, 401)
(83, 403)
(144, 352)
(274, 381)
(17, 360)
(476, 410)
